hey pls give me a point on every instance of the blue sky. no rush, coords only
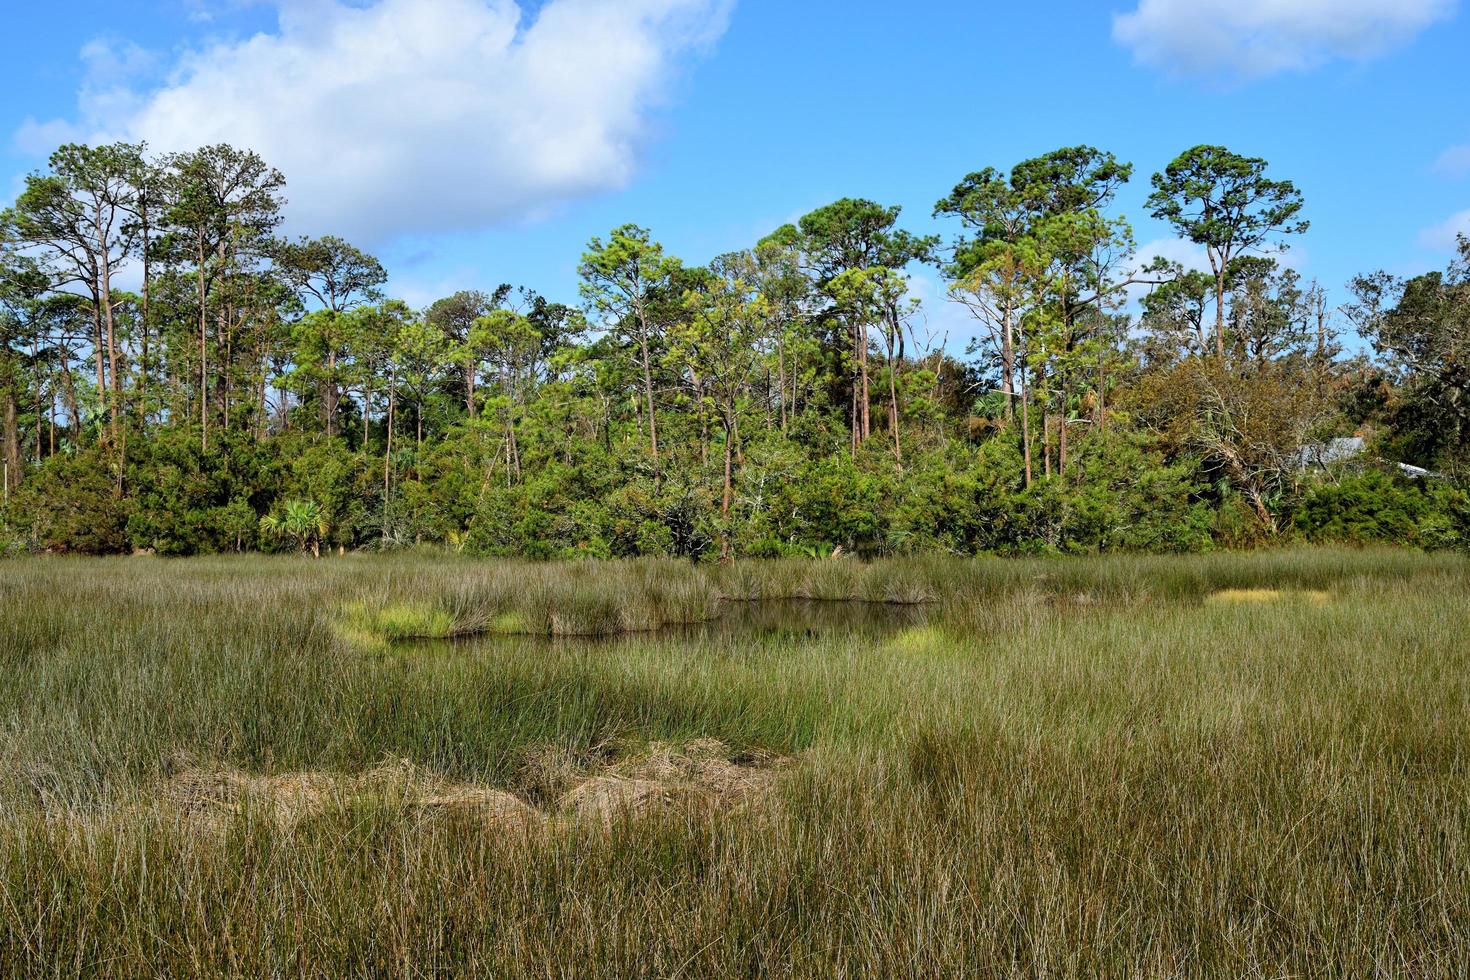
(469, 142)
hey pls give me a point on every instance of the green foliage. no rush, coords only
(1223, 200)
(1421, 328)
(185, 501)
(71, 506)
(1375, 507)
(300, 522)
(1128, 498)
(781, 400)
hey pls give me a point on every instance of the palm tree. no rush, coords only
(301, 521)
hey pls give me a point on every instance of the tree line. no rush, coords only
(177, 376)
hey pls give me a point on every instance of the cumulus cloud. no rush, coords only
(405, 116)
(1444, 234)
(1246, 39)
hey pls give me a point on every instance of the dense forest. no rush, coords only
(178, 377)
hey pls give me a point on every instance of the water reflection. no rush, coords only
(807, 617)
(780, 619)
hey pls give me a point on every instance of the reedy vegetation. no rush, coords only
(1071, 769)
(781, 400)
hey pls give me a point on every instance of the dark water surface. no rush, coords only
(777, 620)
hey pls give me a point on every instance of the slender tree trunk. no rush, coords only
(331, 399)
(11, 436)
(867, 402)
(146, 320)
(97, 351)
(203, 352)
(114, 399)
(388, 450)
(41, 409)
(648, 393)
(261, 370)
(729, 488)
(1062, 428)
(1008, 359)
(227, 361)
(856, 416)
(781, 380)
(1220, 313)
(512, 447)
(1319, 308)
(698, 385)
(1046, 437)
(893, 407)
(1026, 425)
(69, 401)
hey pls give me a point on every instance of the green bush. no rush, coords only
(1376, 507)
(187, 501)
(72, 505)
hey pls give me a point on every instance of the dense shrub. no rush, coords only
(1376, 507)
(73, 505)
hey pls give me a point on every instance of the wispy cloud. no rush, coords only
(1247, 39)
(1453, 162)
(1444, 234)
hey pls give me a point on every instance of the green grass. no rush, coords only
(1058, 768)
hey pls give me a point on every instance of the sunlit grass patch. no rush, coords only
(510, 623)
(375, 625)
(1230, 597)
(919, 641)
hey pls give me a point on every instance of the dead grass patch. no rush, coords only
(703, 774)
(216, 796)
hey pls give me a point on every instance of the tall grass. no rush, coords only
(1074, 768)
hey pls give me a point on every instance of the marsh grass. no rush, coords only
(452, 597)
(386, 621)
(1075, 769)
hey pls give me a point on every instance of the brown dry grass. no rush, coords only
(700, 775)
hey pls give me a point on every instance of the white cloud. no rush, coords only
(1193, 256)
(1454, 162)
(1180, 250)
(38, 139)
(1251, 38)
(1186, 253)
(403, 116)
(1443, 235)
